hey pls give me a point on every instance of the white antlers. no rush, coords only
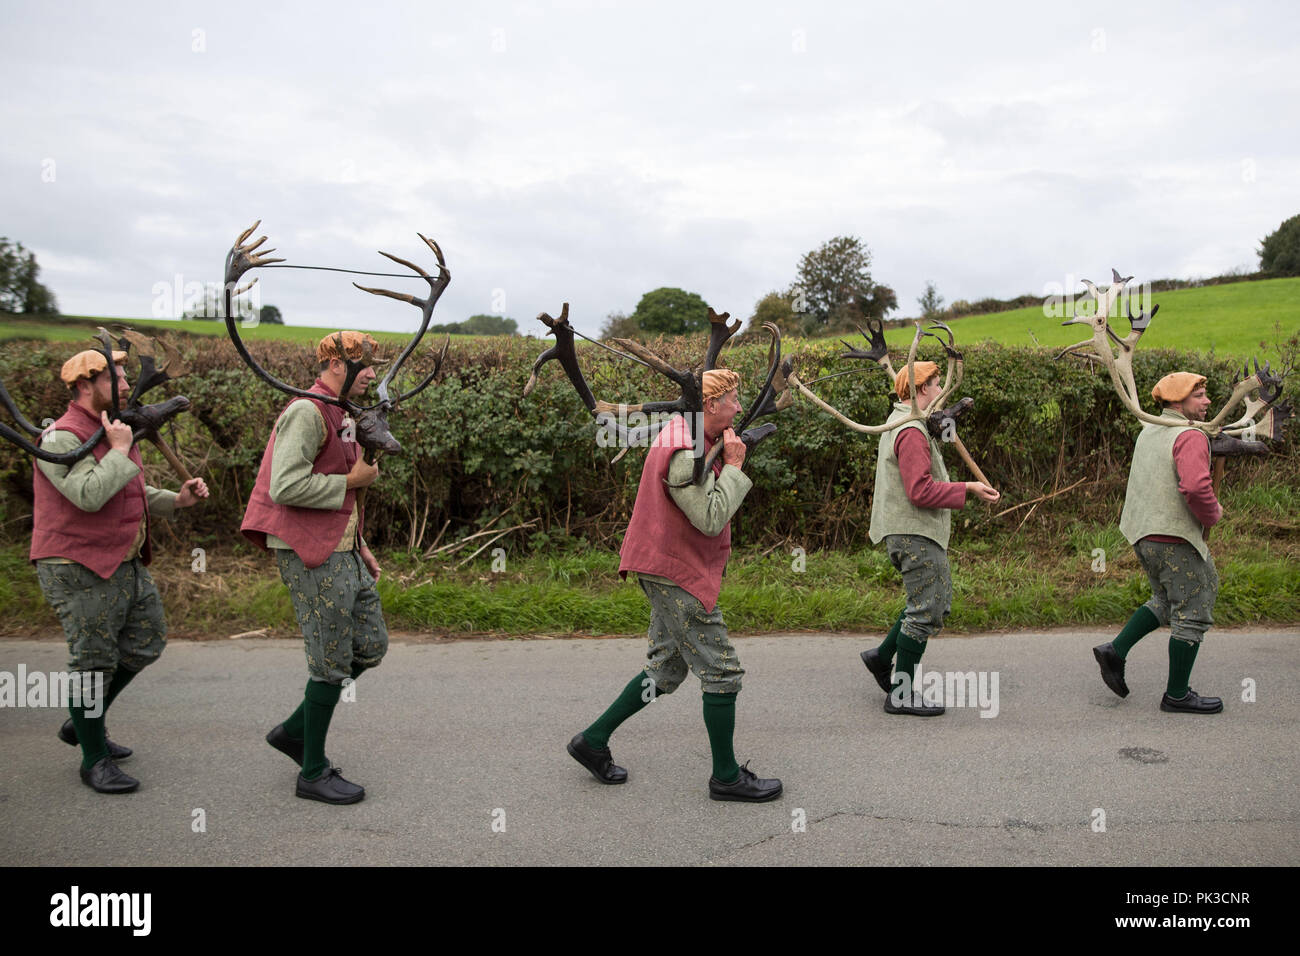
(879, 353)
(1259, 391)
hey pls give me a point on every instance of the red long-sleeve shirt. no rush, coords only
(912, 449)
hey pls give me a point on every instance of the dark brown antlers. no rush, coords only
(145, 420)
(690, 382)
(372, 431)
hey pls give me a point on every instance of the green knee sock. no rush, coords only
(318, 706)
(890, 643)
(295, 726)
(632, 699)
(1140, 624)
(90, 735)
(720, 722)
(909, 655)
(121, 677)
(1182, 655)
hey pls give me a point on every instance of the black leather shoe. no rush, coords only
(279, 739)
(749, 787)
(68, 734)
(1112, 667)
(1193, 703)
(105, 777)
(879, 667)
(330, 787)
(922, 709)
(599, 762)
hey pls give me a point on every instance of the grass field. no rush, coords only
(1228, 319)
(75, 328)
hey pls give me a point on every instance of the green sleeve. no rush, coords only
(298, 437)
(161, 503)
(710, 505)
(88, 484)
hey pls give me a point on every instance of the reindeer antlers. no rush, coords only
(1258, 391)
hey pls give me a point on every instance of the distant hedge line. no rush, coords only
(475, 450)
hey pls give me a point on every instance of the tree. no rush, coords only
(931, 302)
(269, 315)
(489, 325)
(834, 288)
(20, 292)
(671, 312)
(1279, 253)
(618, 325)
(478, 325)
(777, 308)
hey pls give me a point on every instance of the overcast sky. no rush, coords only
(591, 152)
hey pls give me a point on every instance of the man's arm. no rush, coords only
(88, 484)
(912, 449)
(161, 503)
(708, 506)
(299, 434)
(1192, 463)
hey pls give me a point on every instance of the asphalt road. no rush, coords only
(461, 749)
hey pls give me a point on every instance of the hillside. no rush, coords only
(1229, 319)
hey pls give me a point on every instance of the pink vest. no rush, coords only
(660, 539)
(313, 533)
(99, 540)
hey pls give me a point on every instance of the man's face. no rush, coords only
(1195, 405)
(360, 384)
(928, 392)
(101, 388)
(724, 409)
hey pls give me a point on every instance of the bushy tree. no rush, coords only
(478, 325)
(931, 302)
(269, 315)
(834, 287)
(619, 325)
(489, 325)
(1279, 254)
(777, 308)
(669, 311)
(20, 292)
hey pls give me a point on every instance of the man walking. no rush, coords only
(90, 542)
(1169, 507)
(910, 510)
(678, 542)
(304, 508)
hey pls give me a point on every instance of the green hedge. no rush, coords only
(475, 450)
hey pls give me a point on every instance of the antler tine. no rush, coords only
(436, 287)
(757, 407)
(565, 352)
(400, 296)
(428, 379)
(719, 333)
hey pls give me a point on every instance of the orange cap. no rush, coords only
(358, 345)
(924, 372)
(719, 381)
(86, 365)
(1176, 386)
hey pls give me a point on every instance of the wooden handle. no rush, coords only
(970, 462)
(177, 465)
